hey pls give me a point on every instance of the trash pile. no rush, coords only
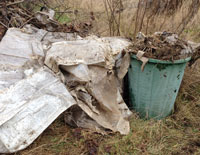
(162, 46)
(43, 74)
(47, 68)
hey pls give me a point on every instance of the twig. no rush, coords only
(3, 25)
(193, 9)
(13, 3)
(26, 22)
(36, 148)
(143, 15)
(137, 16)
(113, 7)
(62, 13)
(106, 7)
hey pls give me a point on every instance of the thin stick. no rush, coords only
(3, 25)
(26, 22)
(13, 3)
(143, 15)
(137, 16)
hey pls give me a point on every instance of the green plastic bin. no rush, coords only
(153, 92)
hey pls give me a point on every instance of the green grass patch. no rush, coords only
(63, 19)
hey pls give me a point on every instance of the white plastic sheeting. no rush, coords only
(29, 107)
(17, 49)
(32, 96)
(89, 61)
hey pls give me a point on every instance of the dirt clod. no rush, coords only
(77, 133)
(92, 146)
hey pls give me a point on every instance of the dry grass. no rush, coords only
(176, 17)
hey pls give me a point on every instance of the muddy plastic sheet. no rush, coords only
(17, 49)
(91, 51)
(100, 100)
(21, 45)
(87, 69)
(29, 107)
(31, 95)
(22, 48)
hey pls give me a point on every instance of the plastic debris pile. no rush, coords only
(43, 74)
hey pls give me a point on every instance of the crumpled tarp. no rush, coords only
(89, 75)
(43, 74)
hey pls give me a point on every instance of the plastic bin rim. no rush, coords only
(165, 61)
